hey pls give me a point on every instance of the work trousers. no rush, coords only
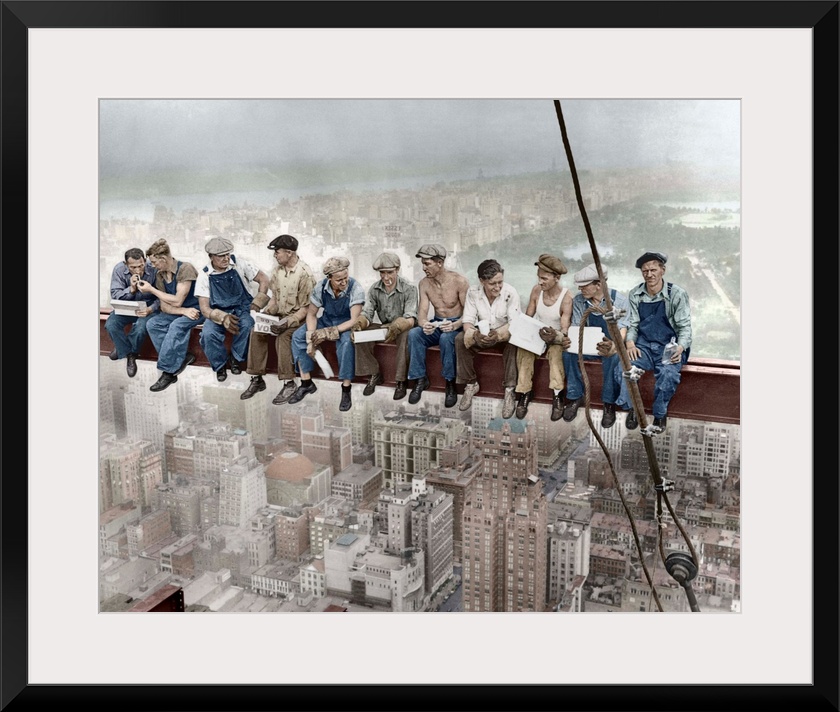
(525, 366)
(366, 363)
(258, 354)
(465, 358)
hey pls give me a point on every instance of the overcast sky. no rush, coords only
(510, 135)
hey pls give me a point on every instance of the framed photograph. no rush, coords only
(777, 59)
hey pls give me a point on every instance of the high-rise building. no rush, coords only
(505, 525)
(250, 414)
(432, 530)
(202, 451)
(408, 445)
(129, 470)
(149, 415)
(326, 445)
(242, 491)
(568, 547)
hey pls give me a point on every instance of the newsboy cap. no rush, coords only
(218, 246)
(335, 264)
(550, 263)
(387, 260)
(431, 250)
(588, 275)
(648, 256)
(284, 242)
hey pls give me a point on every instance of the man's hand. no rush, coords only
(144, 286)
(260, 300)
(397, 327)
(446, 325)
(361, 323)
(548, 334)
(143, 311)
(429, 327)
(277, 329)
(491, 339)
(633, 353)
(229, 321)
(132, 282)
(605, 347)
(329, 333)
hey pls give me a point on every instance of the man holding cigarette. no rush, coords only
(445, 292)
(393, 299)
(124, 280)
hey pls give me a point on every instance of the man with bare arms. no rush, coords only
(444, 292)
(551, 304)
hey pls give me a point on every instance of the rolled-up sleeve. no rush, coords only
(682, 317)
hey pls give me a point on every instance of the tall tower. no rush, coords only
(242, 491)
(505, 524)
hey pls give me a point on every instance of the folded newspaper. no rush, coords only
(264, 322)
(124, 307)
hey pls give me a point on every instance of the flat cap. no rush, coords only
(284, 242)
(431, 250)
(588, 275)
(335, 264)
(550, 263)
(387, 260)
(648, 256)
(218, 246)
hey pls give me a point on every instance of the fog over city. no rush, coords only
(500, 136)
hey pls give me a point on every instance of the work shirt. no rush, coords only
(121, 285)
(357, 294)
(402, 301)
(290, 287)
(580, 304)
(503, 309)
(246, 271)
(676, 309)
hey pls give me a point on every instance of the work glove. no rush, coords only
(310, 347)
(605, 347)
(229, 321)
(278, 329)
(397, 327)
(491, 339)
(470, 336)
(361, 323)
(329, 333)
(548, 334)
(260, 300)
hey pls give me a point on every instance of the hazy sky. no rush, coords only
(141, 135)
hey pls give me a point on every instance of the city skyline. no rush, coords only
(263, 419)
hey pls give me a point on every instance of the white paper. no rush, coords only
(321, 360)
(263, 322)
(525, 333)
(591, 336)
(124, 307)
(483, 327)
(360, 337)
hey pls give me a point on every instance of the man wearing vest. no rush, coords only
(224, 298)
(551, 304)
(170, 330)
(592, 295)
(659, 311)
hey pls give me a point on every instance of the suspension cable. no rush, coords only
(632, 386)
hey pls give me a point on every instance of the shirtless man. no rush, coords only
(445, 292)
(552, 305)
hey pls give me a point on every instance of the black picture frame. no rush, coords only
(821, 17)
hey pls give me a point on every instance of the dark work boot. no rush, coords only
(451, 395)
(608, 419)
(400, 390)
